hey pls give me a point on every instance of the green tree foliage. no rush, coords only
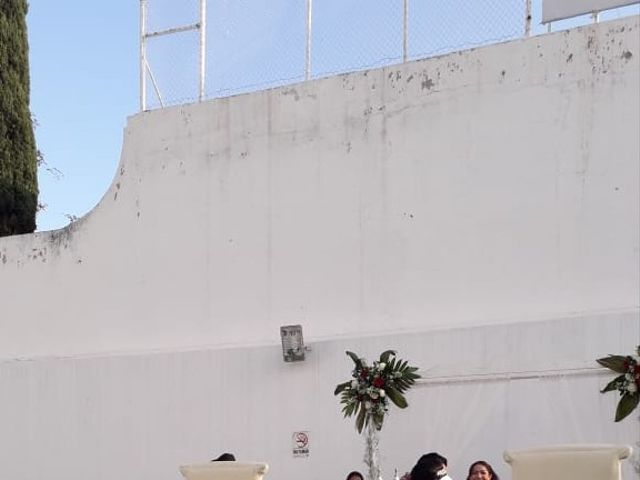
(18, 160)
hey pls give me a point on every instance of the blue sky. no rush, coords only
(85, 80)
(84, 84)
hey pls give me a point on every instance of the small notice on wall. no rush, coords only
(300, 444)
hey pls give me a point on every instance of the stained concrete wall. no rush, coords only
(490, 185)
(380, 209)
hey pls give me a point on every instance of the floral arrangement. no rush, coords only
(368, 394)
(627, 383)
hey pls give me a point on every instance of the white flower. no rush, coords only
(632, 387)
(628, 377)
(374, 395)
(382, 393)
(354, 384)
(397, 374)
(382, 365)
(367, 405)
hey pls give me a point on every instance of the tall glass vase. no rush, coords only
(371, 452)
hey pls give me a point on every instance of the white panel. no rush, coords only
(553, 10)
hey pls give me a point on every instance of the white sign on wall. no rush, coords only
(300, 444)
(553, 10)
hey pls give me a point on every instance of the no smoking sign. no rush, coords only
(300, 444)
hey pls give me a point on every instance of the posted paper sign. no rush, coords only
(300, 444)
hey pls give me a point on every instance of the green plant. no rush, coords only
(368, 394)
(627, 383)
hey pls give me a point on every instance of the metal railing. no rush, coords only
(255, 44)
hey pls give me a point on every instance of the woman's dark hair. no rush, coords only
(428, 466)
(225, 457)
(433, 457)
(494, 475)
(354, 473)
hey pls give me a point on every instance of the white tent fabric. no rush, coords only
(485, 389)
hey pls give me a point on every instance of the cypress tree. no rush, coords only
(18, 162)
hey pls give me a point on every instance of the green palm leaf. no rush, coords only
(627, 404)
(396, 397)
(355, 359)
(341, 387)
(613, 384)
(613, 362)
(384, 356)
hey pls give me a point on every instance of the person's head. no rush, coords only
(354, 476)
(432, 458)
(225, 457)
(431, 466)
(481, 470)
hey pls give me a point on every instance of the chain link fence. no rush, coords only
(202, 49)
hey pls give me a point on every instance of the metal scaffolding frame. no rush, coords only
(145, 68)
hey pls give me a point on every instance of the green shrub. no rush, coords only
(18, 161)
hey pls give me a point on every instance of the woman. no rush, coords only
(225, 457)
(481, 470)
(431, 466)
(355, 476)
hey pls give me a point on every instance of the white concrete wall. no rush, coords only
(490, 185)
(409, 207)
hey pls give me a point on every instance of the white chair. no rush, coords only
(568, 462)
(225, 471)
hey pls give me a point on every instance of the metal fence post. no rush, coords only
(307, 63)
(203, 48)
(143, 59)
(527, 19)
(405, 31)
